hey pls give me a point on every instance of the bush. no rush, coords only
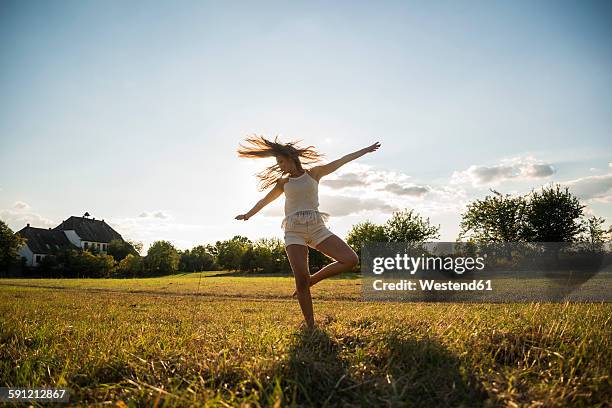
(199, 258)
(76, 263)
(130, 266)
(162, 258)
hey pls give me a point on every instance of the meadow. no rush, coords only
(209, 339)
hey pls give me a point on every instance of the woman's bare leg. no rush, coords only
(337, 249)
(298, 259)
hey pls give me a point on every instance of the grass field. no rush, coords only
(207, 340)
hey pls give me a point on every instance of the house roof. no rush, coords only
(89, 229)
(44, 241)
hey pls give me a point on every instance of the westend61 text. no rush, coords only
(409, 263)
(425, 284)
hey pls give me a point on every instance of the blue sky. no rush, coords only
(133, 111)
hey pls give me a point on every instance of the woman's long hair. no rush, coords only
(261, 147)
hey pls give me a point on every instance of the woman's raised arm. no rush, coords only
(328, 168)
(271, 196)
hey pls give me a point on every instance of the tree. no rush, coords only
(280, 261)
(496, 218)
(593, 233)
(162, 258)
(199, 258)
(137, 245)
(316, 259)
(408, 226)
(131, 265)
(229, 252)
(9, 245)
(553, 215)
(247, 260)
(365, 232)
(119, 249)
(265, 255)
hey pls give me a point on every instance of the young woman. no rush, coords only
(303, 225)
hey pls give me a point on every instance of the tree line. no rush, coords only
(552, 214)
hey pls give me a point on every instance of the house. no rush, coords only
(41, 242)
(75, 232)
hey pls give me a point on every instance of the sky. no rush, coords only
(133, 111)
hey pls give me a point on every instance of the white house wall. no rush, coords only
(41, 256)
(100, 246)
(25, 252)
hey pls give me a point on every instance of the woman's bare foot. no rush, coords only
(306, 327)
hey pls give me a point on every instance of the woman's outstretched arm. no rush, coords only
(271, 196)
(328, 168)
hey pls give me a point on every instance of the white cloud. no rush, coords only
(344, 180)
(20, 215)
(596, 188)
(517, 168)
(340, 205)
(21, 206)
(365, 189)
(150, 226)
(346, 205)
(398, 189)
(412, 191)
(154, 214)
(361, 175)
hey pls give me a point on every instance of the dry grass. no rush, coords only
(236, 341)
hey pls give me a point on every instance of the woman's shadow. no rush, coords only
(393, 371)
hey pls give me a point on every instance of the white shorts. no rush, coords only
(308, 234)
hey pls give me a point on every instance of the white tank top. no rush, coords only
(302, 201)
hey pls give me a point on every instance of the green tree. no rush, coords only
(119, 249)
(229, 252)
(247, 260)
(258, 257)
(265, 255)
(269, 255)
(317, 260)
(365, 232)
(131, 265)
(279, 256)
(199, 258)
(496, 218)
(162, 258)
(137, 245)
(553, 215)
(594, 235)
(9, 244)
(407, 226)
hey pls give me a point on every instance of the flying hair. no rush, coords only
(260, 147)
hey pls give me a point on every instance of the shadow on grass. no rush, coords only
(345, 275)
(385, 370)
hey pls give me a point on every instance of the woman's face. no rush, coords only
(285, 164)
